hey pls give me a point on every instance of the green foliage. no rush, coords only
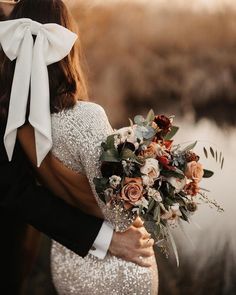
(190, 147)
(110, 143)
(110, 155)
(207, 173)
(139, 120)
(212, 152)
(150, 116)
(171, 134)
(173, 173)
(184, 213)
(215, 155)
(100, 184)
(151, 205)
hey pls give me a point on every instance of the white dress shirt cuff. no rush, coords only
(103, 240)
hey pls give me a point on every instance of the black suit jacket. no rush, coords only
(22, 198)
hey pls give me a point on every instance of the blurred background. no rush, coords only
(176, 57)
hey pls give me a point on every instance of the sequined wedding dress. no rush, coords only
(77, 136)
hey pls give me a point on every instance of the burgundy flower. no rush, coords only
(163, 123)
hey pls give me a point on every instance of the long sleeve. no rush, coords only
(20, 196)
(88, 127)
(88, 132)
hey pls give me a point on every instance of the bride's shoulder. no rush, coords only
(84, 115)
(88, 107)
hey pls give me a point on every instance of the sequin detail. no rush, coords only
(77, 137)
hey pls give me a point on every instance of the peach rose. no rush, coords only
(132, 191)
(150, 151)
(194, 171)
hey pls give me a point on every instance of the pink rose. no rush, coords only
(132, 191)
(194, 171)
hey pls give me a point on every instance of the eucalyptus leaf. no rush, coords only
(149, 132)
(156, 214)
(173, 173)
(110, 142)
(220, 157)
(190, 147)
(151, 205)
(205, 152)
(100, 184)
(212, 152)
(184, 214)
(171, 134)
(169, 201)
(139, 120)
(222, 163)
(110, 155)
(207, 173)
(150, 116)
(127, 154)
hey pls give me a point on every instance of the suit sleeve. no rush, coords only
(40, 208)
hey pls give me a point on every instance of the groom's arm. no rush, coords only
(66, 224)
(63, 223)
(19, 195)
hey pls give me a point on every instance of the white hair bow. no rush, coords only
(53, 42)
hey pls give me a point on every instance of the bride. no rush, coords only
(74, 133)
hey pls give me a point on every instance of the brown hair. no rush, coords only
(66, 77)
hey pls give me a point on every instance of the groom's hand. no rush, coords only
(134, 245)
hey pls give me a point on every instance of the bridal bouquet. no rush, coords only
(145, 173)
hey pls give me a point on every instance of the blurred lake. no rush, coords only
(177, 57)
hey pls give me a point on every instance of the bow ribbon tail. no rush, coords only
(40, 117)
(19, 93)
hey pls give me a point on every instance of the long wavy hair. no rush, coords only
(66, 77)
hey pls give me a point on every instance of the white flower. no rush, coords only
(147, 181)
(151, 168)
(161, 150)
(125, 134)
(175, 208)
(124, 163)
(155, 194)
(114, 181)
(177, 183)
(142, 202)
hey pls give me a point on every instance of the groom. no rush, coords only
(21, 200)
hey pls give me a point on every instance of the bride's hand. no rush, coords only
(134, 245)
